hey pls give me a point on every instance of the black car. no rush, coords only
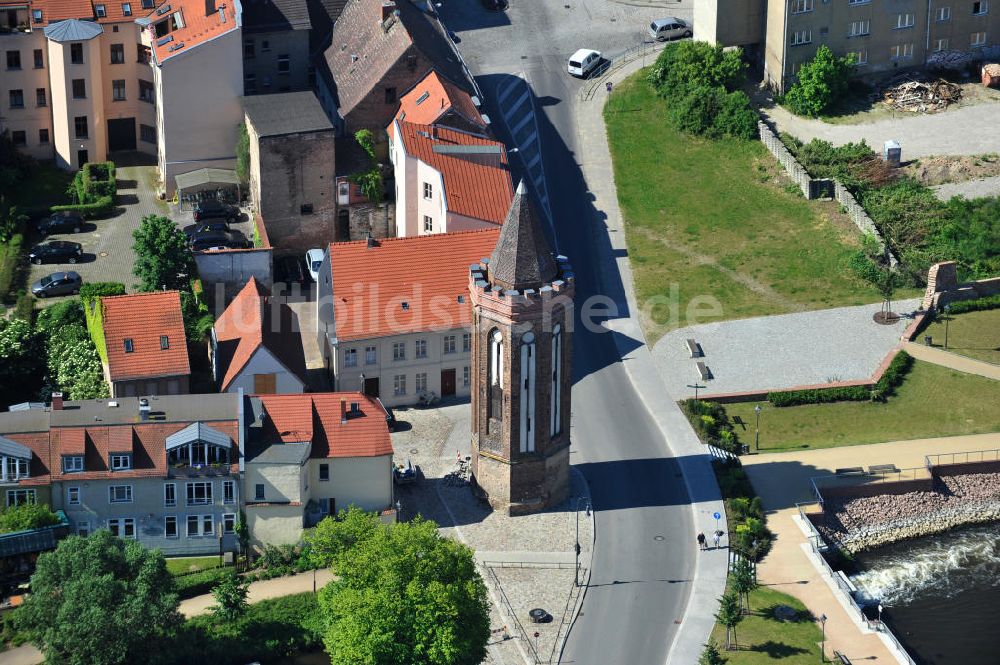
(291, 270)
(214, 239)
(201, 227)
(60, 223)
(211, 209)
(495, 5)
(57, 284)
(56, 251)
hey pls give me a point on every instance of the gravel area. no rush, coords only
(522, 588)
(782, 351)
(970, 189)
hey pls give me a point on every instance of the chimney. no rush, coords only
(143, 409)
(209, 7)
(355, 408)
(343, 411)
(388, 6)
(57, 401)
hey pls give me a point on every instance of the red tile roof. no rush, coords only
(58, 10)
(431, 98)
(249, 323)
(475, 185)
(319, 414)
(143, 318)
(198, 28)
(428, 273)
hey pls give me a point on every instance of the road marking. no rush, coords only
(524, 121)
(520, 100)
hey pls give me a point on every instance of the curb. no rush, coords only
(561, 646)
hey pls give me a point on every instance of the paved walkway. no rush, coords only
(953, 360)
(782, 479)
(709, 576)
(541, 559)
(771, 352)
(969, 130)
(970, 189)
(263, 590)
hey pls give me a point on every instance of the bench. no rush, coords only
(703, 371)
(841, 658)
(882, 468)
(851, 471)
(693, 348)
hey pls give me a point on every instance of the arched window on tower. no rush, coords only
(555, 392)
(527, 401)
(494, 401)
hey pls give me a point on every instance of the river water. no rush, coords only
(940, 594)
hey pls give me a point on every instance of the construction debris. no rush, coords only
(918, 96)
(991, 75)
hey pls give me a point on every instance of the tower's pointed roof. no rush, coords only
(522, 258)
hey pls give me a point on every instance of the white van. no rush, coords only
(583, 62)
(663, 29)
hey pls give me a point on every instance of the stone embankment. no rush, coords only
(863, 523)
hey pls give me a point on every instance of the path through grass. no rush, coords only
(933, 401)
(709, 220)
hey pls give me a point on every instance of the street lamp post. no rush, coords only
(576, 577)
(822, 644)
(947, 318)
(696, 386)
(756, 438)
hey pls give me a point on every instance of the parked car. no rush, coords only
(495, 5)
(57, 284)
(669, 28)
(583, 62)
(199, 227)
(212, 209)
(56, 251)
(314, 259)
(60, 223)
(206, 240)
(291, 270)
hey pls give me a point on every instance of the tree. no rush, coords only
(729, 615)
(743, 582)
(243, 154)
(370, 181)
(406, 595)
(74, 364)
(231, 597)
(334, 536)
(100, 600)
(820, 82)
(888, 280)
(242, 530)
(11, 220)
(695, 63)
(163, 259)
(22, 360)
(711, 655)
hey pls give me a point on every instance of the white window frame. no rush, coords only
(860, 57)
(428, 191)
(399, 385)
(905, 20)
(802, 6)
(228, 523)
(398, 351)
(984, 8)
(901, 51)
(860, 28)
(428, 224)
(466, 342)
(120, 461)
(169, 495)
(191, 496)
(72, 463)
(228, 491)
(466, 376)
(73, 496)
(121, 524)
(420, 382)
(371, 355)
(350, 357)
(801, 37)
(974, 39)
(941, 45)
(83, 528)
(29, 496)
(113, 490)
(177, 532)
(942, 14)
(448, 343)
(420, 348)
(201, 522)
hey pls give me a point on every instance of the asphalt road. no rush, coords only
(644, 554)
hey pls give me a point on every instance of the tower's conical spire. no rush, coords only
(522, 258)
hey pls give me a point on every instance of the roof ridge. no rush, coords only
(428, 236)
(140, 293)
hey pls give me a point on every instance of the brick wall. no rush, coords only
(373, 112)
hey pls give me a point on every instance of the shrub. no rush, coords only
(891, 379)
(10, 263)
(97, 208)
(695, 63)
(25, 307)
(201, 582)
(977, 305)
(59, 316)
(820, 82)
(736, 117)
(93, 290)
(27, 516)
(894, 375)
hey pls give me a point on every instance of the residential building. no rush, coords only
(275, 46)
(379, 50)
(394, 315)
(447, 179)
(357, 216)
(173, 472)
(522, 340)
(435, 100)
(882, 35)
(256, 345)
(145, 347)
(292, 146)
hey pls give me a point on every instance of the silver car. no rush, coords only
(57, 284)
(663, 29)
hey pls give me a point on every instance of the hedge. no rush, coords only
(200, 583)
(94, 290)
(977, 305)
(891, 379)
(10, 259)
(102, 206)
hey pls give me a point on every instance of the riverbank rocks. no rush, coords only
(863, 523)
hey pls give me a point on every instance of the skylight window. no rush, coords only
(129, 345)
(422, 98)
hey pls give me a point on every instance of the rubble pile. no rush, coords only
(917, 96)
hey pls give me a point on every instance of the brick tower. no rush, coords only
(522, 303)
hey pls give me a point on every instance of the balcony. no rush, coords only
(34, 540)
(198, 470)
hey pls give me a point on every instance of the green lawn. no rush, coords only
(973, 334)
(192, 564)
(715, 219)
(764, 639)
(44, 187)
(933, 401)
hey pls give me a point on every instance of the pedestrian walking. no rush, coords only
(609, 86)
(701, 541)
(718, 538)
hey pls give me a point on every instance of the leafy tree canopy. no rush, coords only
(820, 82)
(694, 63)
(100, 600)
(163, 259)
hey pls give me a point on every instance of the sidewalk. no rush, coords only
(952, 360)
(782, 479)
(263, 590)
(709, 576)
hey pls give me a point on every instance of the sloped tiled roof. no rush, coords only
(429, 273)
(476, 175)
(198, 28)
(143, 318)
(363, 435)
(433, 97)
(522, 258)
(275, 15)
(286, 113)
(251, 322)
(60, 10)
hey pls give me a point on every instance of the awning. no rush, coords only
(202, 177)
(195, 433)
(10, 448)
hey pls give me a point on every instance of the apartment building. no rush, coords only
(173, 472)
(276, 51)
(394, 318)
(882, 35)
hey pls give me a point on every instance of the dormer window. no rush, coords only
(101, 11)
(127, 8)
(72, 463)
(198, 445)
(164, 342)
(36, 15)
(129, 345)
(422, 98)
(14, 460)
(120, 461)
